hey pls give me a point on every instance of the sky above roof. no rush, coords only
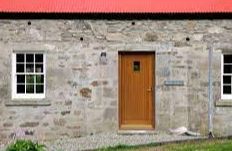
(116, 6)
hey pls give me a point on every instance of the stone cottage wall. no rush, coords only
(83, 93)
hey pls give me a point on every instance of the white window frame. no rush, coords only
(224, 96)
(15, 95)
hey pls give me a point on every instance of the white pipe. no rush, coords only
(210, 96)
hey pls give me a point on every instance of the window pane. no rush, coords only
(30, 89)
(227, 58)
(227, 79)
(30, 57)
(227, 68)
(29, 67)
(20, 78)
(226, 89)
(39, 68)
(136, 65)
(20, 68)
(39, 79)
(30, 79)
(21, 88)
(39, 88)
(19, 57)
(38, 57)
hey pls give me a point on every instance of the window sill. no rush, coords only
(25, 102)
(224, 103)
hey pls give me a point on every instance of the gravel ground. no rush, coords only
(109, 139)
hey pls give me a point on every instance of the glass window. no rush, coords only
(226, 76)
(28, 75)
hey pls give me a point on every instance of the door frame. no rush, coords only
(120, 53)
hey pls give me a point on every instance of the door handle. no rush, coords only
(149, 90)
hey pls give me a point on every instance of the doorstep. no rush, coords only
(131, 132)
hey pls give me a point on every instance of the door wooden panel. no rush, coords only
(136, 71)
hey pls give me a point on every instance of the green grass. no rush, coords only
(120, 147)
(203, 145)
(214, 145)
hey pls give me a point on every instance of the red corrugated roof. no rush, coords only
(116, 6)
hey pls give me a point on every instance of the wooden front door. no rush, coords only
(136, 88)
